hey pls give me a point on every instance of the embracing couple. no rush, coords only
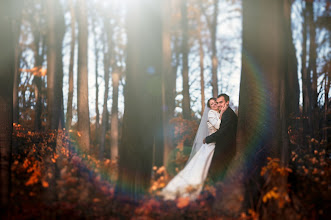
(213, 149)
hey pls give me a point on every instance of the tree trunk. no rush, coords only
(51, 64)
(7, 68)
(54, 62)
(17, 77)
(306, 82)
(142, 113)
(327, 84)
(202, 69)
(71, 65)
(262, 103)
(62, 117)
(39, 54)
(60, 31)
(185, 51)
(213, 33)
(55, 34)
(105, 107)
(82, 82)
(292, 81)
(38, 87)
(168, 85)
(97, 118)
(107, 58)
(312, 69)
(171, 85)
(114, 116)
(96, 54)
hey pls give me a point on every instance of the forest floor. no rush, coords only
(51, 181)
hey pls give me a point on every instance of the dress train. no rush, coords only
(189, 181)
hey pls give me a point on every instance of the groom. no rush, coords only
(225, 138)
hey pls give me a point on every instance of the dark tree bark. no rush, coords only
(166, 78)
(71, 65)
(116, 75)
(96, 52)
(306, 79)
(82, 83)
(7, 68)
(312, 51)
(262, 121)
(169, 75)
(202, 69)
(327, 83)
(171, 85)
(312, 71)
(38, 88)
(17, 73)
(142, 114)
(17, 77)
(107, 57)
(213, 33)
(55, 34)
(291, 82)
(185, 51)
(56, 29)
(39, 56)
(51, 63)
(212, 27)
(97, 117)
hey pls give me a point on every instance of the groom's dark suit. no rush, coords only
(225, 149)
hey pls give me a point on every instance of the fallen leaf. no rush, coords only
(44, 183)
(183, 202)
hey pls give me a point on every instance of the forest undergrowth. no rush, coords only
(52, 178)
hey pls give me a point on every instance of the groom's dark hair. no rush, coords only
(226, 97)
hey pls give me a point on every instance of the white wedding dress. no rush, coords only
(189, 181)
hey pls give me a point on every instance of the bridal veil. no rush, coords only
(201, 134)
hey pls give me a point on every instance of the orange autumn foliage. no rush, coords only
(85, 185)
(182, 202)
(184, 130)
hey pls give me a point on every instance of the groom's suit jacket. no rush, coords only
(225, 148)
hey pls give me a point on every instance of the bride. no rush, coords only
(189, 181)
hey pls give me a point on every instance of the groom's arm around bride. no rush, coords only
(227, 130)
(225, 138)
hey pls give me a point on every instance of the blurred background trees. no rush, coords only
(115, 74)
(9, 25)
(269, 43)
